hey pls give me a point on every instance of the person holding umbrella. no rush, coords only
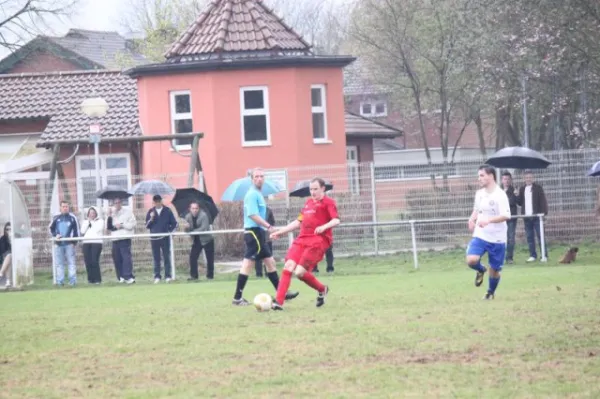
(121, 222)
(196, 221)
(160, 219)
(532, 199)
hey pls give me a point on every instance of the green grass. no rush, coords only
(387, 331)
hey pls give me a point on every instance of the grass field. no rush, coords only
(386, 331)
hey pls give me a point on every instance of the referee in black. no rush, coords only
(255, 225)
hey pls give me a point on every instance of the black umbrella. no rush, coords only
(302, 189)
(518, 158)
(594, 170)
(111, 193)
(185, 196)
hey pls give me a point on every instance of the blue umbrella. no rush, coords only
(152, 187)
(238, 189)
(594, 170)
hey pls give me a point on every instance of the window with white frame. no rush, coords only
(181, 117)
(319, 112)
(373, 108)
(254, 104)
(115, 170)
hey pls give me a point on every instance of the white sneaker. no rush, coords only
(544, 259)
(121, 280)
(7, 283)
(156, 280)
(168, 280)
(130, 281)
(531, 259)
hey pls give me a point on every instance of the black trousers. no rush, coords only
(161, 245)
(91, 257)
(209, 251)
(329, 259)
(258, 265)
(121, 254)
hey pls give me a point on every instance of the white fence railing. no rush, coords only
(411, 223)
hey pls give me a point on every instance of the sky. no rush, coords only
(103, 15)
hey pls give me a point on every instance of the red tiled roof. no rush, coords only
(236, 26)
(57, 96)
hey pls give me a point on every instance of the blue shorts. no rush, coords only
(495, 251)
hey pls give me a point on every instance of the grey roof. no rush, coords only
(359, 126)
(57, 97)
(358, 81)
(108, 49)
(386, 145)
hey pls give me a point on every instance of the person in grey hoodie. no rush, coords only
(121, 222)
(92, 229)
(198, 220)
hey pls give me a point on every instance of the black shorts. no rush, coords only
(256, 244)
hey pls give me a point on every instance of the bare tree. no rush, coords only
(22, 19)
(158, 23)
(322, 23)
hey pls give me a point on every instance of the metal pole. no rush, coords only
(172, 255)
(542, 236)
(374, 209)
(413, 233)
(98, 184)
(13, 271)
(287, 208)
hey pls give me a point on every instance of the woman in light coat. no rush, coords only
(91, 230)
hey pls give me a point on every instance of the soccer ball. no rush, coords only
(263, 302)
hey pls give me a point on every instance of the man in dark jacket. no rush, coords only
(507, 185)
(65, 225)
(160, 219)
(532, 200)
(195, 221)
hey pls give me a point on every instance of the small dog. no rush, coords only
(570, 256)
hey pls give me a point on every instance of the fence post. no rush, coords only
(414, 243)
(287, 207)
(542, 237)
(172, 255)
(374, 208)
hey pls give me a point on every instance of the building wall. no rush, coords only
(8, 127)
(412, 138)
(365, 147)
(43, 62)
(215, 98)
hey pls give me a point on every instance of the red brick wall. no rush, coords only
(412, 138)
(43, 62)
(365, 148)
(8, 127)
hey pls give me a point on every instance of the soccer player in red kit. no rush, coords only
(316, 220)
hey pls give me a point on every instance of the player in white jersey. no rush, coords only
(488, 223)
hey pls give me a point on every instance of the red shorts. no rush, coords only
(306, 254)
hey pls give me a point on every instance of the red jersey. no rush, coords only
(315, 214)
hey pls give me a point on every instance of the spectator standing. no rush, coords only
(6, 254)
(160, 219)
(121, 223)
(63, 226)
(197, 220)
(532, 200)
(92, 229)
(507, 185)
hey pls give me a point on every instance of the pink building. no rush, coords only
(252, 85)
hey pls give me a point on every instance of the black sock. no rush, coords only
(241, 283)
(274, 278)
